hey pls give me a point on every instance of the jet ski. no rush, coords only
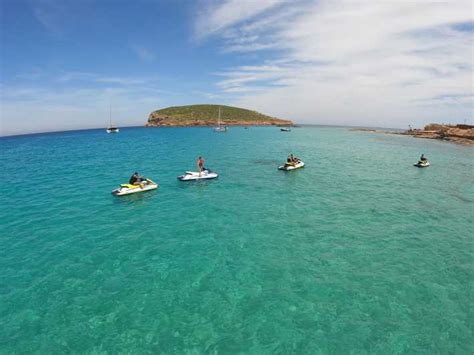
(285, 129)
(195, 175)
(292, 166)
(422, 164)
(127, 189)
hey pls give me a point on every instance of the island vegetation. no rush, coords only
(207, 115)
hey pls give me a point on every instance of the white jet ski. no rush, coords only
(422, 164)
(127, 189)
(292, 166)
(195, 175)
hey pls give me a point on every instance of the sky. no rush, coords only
(66, 64)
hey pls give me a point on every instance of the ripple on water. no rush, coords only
(358, 252)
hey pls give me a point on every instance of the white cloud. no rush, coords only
(352, 62)
(37, 108)
(85, 77)
(219, 15)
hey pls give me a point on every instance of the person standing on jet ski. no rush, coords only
(200, 164)
(422, 158)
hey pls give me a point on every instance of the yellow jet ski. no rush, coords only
(127, 189)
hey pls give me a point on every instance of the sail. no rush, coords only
(219, 127)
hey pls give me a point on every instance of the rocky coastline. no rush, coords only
(170, 122)
(461, 133)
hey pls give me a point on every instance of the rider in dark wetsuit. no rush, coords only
(134, 179)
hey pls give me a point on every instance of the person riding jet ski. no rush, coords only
(292, 160)
(202, 173)
(200, 164)
(292, 163)
(136, 184)
(136, 179)
(422, 162)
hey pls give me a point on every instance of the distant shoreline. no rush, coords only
(460, 134)
(224, 123)
(396, 131)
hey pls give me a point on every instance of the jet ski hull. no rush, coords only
(124, 190)
(422, 165)
(193, 175)
(291, 167)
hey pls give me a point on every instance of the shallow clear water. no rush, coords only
(357, 252)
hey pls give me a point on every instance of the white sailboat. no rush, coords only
(220, 127)
(111, 128)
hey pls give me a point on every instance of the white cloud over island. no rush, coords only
(348, 62)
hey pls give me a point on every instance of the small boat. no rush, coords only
(127, 189)
(220, 127)
(291, 166)
(285, 129)
(422, 164)
(111, 128)
(195, 175)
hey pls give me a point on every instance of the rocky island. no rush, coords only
(207, 115)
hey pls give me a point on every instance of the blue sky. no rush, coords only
(353, 63)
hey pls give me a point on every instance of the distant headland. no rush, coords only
(460, 133)
(207, 115)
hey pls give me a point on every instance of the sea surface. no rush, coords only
(359, 252)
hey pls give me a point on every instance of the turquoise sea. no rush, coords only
(359, 252)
